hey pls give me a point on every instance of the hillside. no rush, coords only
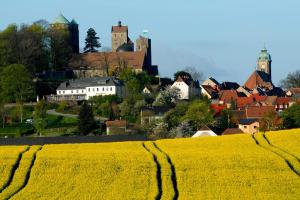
(263, 166)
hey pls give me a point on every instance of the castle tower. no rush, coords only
(119, 36)
(144, 44)
(61, 23)
(264, 62)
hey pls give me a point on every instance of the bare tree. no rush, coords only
(291, 81)
(196, 75)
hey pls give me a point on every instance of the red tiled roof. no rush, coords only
(217, 108)
(257, 80)
(228, 95)
(119, 29)
(230, 131)
(116, 123)
(99, 60)
(282, 100)
(258, 111)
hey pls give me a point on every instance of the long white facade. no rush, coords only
(84, 89)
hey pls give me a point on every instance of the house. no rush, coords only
(85, 88)
(204, 131)
(210, 91)
(229, 85)
(152, 114)
(211, 82)
(231, 131)
(187, 88)
(259, 79)
(258, 112)
(249, 125)
(116, 127)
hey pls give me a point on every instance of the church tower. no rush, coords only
(264, 62)
(119, 36)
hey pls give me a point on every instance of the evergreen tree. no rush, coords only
(86, 122)
(40, 116)
(91, 41)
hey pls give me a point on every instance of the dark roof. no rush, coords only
(230, 131)
(229, 85)
(247, 121)
(126, 47)
(116, 123)
(89, 82)
(214, 80)
(158, 110)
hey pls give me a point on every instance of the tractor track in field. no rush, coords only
(279, 152)
(266, 138)
(27, 174)
(14, 169)
(173, 175)
(158, 172)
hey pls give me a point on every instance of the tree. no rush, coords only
(195, 74)
(291, 116)
(40, 117)
(199, 113)
(184, 75)
(86, 121)
(16, 85)
(173, 116)
(184, 129)
(169, 96)
(267, 122)
(292, 80)
(91, 41)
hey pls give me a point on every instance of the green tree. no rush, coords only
(16, 85)
(184, 75)
(291, 116)
(86, 121)
(267, 122)
(40, 117)
(292, 80)
(91, 41)
(199, 113)
(173, 116)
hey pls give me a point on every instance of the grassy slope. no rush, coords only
(229, 167)
(92, 171)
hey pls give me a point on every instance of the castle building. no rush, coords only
(61, 23)
(144, 44)
(120, 39)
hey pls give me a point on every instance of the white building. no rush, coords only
(187, 88)
(204, 131)
(85, 88)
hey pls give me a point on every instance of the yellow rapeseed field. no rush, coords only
(20, 174)
(8, 158)
(287, 140)
(92, 171)
(229, 167)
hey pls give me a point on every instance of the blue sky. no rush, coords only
(221, 38)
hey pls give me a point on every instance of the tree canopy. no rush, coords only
(86, 121)
(292, 80)
(91, 41)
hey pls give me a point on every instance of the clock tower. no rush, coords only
(264, 62)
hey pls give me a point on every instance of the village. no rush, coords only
(122, 92)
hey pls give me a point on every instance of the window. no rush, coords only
(106, 88)
(110, 88)
(103, 89)
(71, 91)
(59, 92)
(82, 91)
(245, 126)
(89, 89)
(77, 91)
(63, 91)
(97, 89)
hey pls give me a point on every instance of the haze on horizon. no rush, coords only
(221, 38)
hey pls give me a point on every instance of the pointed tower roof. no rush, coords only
(74, 22)
(60, 19)
(264, 55)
